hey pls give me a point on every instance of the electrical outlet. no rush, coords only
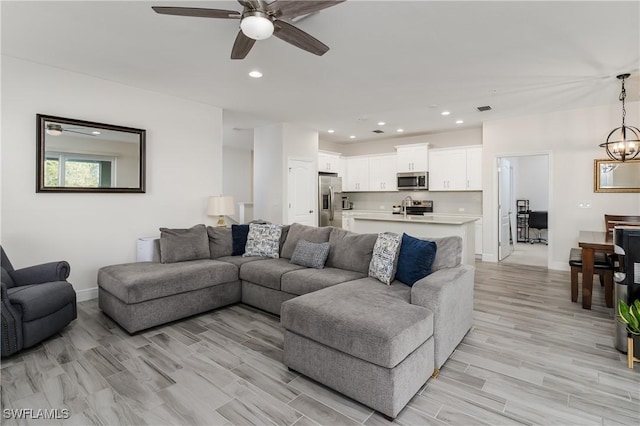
(382, 207)
(585, 204)
(460, 209)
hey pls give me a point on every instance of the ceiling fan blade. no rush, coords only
(75, 131)
(252, 4)
(295, 36)
(241, 46)
(197, 12)
(293, 8)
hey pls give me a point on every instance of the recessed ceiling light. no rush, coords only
(445, 113)
(400, 130)
(381, 123)
(95, 132)
(330, 131)
(352, 137)
(459, 121)
(255, 74)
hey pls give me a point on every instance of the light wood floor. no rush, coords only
(532, 357)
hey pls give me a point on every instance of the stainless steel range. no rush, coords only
(416, 207)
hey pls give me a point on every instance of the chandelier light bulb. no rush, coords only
(257, 26)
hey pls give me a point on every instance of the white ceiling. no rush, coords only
(401, 62)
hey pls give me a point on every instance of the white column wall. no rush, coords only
(273, 147)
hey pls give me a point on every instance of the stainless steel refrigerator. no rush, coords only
(330, 201)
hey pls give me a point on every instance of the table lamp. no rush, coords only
(221, 206)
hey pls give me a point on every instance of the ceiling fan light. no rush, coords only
(54, 129)
(257, 26)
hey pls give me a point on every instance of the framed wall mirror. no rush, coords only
(84, 156)
(616, 176)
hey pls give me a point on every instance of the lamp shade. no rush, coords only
(256, 25)
(221, 205)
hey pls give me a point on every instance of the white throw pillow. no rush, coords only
(263, 240)
(385, 257)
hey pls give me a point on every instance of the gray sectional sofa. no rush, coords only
(373, 342)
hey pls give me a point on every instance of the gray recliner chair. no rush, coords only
(37, 302)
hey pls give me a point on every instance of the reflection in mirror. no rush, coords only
(616, 176)
(83, 156)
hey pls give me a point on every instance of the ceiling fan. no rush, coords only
(55, 129)
(259, 20)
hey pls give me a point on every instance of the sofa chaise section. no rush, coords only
(145, 294)
(363, 339)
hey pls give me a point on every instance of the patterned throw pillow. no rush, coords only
(263, 240)
(311, 255)
(385, 257)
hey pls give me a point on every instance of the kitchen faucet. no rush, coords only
(404, 204)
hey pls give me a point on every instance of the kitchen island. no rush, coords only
(427, 226)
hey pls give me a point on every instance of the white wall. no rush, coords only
(237, 174)
(267, 173)
(184, 166)
(571, 139)
(273, 146)
(531, 180)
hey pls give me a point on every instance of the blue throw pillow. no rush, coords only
(239, 235)
(415, 259)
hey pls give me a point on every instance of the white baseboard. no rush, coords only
(87, 294)
(489, 257)
(560, 266)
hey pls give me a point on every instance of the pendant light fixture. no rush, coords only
(623, 142)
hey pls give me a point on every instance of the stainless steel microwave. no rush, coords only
(413, 180)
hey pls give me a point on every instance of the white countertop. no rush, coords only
(431, 218)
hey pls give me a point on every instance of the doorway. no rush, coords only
(523, 187)
(301, 195)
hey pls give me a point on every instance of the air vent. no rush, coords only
(484, 108)
(378, 131)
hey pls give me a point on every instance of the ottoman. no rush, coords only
(145, 294)
(362, 338)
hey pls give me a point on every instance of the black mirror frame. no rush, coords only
(40, 155)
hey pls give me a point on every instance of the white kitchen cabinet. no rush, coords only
(357, 174)
(474, 168)
(382, 172)
(457, 169)
(328, 162)
(412, 158)
(347, 221)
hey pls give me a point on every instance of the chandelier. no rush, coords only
(623, 142)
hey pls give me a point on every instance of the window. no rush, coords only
(79, 170)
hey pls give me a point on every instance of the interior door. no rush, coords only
(302, 189)
(505, 208)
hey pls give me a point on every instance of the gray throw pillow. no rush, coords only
(263, 240)
(179, 245)
(220, 242)
(384, 261)
(311, 255)
(298, 231)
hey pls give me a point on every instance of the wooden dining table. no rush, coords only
(592, 242)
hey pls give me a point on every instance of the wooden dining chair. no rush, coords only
(612, 220)
(603, 267)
